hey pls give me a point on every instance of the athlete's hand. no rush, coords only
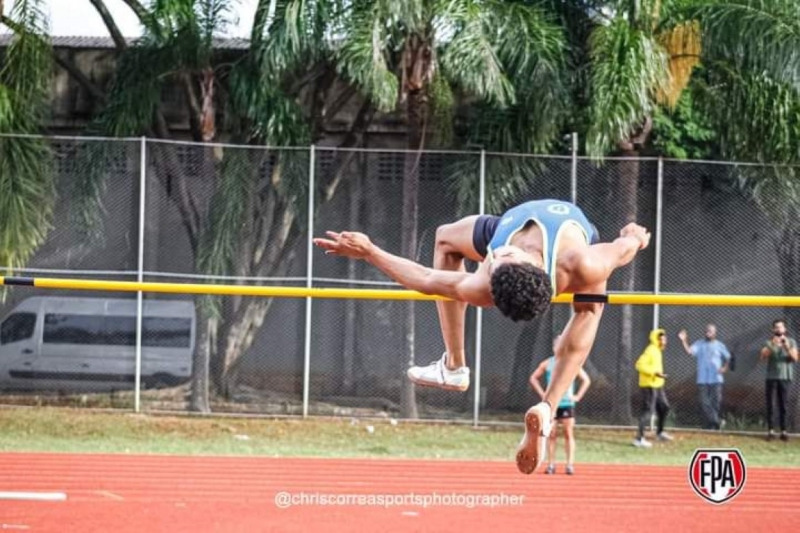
(347, 244)
(682, 335)
(637, 232)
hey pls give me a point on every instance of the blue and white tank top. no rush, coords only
(552, 217)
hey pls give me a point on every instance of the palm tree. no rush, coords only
(404, 53)
(641, 56)
(26, 179)
(258, 92)
(752, 63)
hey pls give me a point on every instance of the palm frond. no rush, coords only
(133, 97)
(169, 16)
(26, 178)
(760, 120)
(271, 116)
(362, 56)
(628, 69)
(226, 218)
(6, 108)
(533, 51)
(469, 58)
(753, 34)
(441, 102)
(214, 17)
(530, 44)
(135, 91)
(775, 189)
(293, 37)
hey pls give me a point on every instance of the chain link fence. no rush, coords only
(55, 343)
(166, 211)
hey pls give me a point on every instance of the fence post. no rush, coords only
(659, 216)
(574, 170)
(573, 186)
(479, 311)
(140, 274)
(309, 279)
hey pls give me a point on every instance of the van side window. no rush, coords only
(121, 330)
(73, 329)
(17, 327)
(167, 332)
(161, 332)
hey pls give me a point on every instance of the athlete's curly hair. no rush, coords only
(521, 291)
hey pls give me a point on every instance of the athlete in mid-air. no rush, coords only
(531, 252)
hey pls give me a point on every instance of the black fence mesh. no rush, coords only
(239, 215)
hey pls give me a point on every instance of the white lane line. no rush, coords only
(110, 495)
(35, 496)
(14, 526)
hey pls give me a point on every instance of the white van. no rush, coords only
(88, 344)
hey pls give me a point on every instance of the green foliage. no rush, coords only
(683, 132)
(754, 35)
(26, 177)
(628, 68)
(442, 112)
(363, 56)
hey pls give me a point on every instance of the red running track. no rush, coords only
(146, 493)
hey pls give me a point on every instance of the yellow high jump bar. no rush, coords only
(390, 294)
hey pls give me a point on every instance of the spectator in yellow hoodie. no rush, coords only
(650, 366)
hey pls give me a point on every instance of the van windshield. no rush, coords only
(164, 332)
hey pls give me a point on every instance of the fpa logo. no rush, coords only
(717, 475)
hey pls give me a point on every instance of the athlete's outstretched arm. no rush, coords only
(458, 285)
(596, 264)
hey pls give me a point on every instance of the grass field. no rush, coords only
(72, 430)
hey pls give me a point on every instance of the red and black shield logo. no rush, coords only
(717, 475)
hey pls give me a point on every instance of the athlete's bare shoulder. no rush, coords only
(571, 268)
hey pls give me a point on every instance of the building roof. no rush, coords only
(101, 43)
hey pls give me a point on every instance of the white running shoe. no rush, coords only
(642, 443)
(438, 375)
(532, 448)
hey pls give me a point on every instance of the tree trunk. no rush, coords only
(242, 322)
(409, 228)
(266, 249)
(199, 401)
(626, 205)
(347, 386)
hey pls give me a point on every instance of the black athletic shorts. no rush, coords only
(565, 412)
(483, 232)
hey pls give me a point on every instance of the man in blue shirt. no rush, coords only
(713, 359)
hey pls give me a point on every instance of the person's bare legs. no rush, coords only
(571, 352)
(551, 447)
(569, 436)
(453, 244)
